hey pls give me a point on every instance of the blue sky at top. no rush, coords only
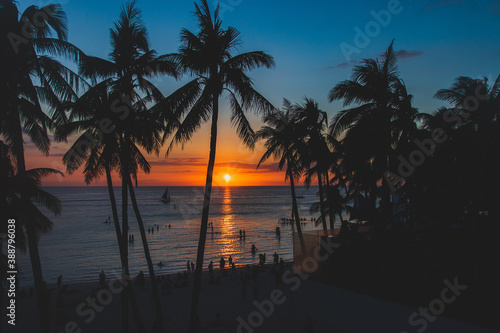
(443, 38)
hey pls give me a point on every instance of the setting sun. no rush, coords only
(227, 177)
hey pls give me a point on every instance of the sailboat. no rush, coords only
(166, 196)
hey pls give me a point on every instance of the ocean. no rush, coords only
(81, 245)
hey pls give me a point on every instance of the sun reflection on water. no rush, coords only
(229, 242)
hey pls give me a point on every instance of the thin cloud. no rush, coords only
(250, 166)
(435, 4)
(489, 5)
(179, 162)
(346, 64)
(404, 54)
(401, 54)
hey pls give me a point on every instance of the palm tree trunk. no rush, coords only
(295, 209)
(128, 293)
(331, 214)
(125, 275)
(193, 319)
(36, 265)
(156, 295)
(116, 221)
(40, 290)
(321, 199)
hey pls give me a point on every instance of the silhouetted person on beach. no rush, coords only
(140, 279)
(102, 279)
(188, 266)
(222, 263)
(230, 261)
(211, 269)
(192, 266)
(169, 226)
(244, 234)
(254, 249)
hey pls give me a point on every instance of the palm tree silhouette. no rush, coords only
(99, 153)
(311, 122)
(470, 129)
(208, 56)
(11, 187)
(121, 99)
(29, 79)
(283, 143)
(373, 86)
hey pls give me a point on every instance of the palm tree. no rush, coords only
(121, 99)
(28, 80)
(311, 122)
(97, 150)
(208, 57)
(369, 136)
(283, 143)
(470, 128)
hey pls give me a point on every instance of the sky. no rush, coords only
(315, 45)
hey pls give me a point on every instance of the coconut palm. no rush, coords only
(470, 128)
(368, 128)
(28, 79)
(97, 149)
(121, 99)
(311, 122)
(283, 143)
(208, 56)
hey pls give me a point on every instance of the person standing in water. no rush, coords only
(222, 263)
(211, 269)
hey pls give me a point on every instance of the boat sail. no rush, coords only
(166, 197)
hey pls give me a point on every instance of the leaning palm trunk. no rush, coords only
(296, 212)
(128, 293)
(116, 221)
(193, 319)
(321, 200)
(331, 213)
(36, 265)
(125, 276)
(156, 295)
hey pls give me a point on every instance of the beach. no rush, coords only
(224, 299)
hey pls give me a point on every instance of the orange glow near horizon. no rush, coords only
(235, 164)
